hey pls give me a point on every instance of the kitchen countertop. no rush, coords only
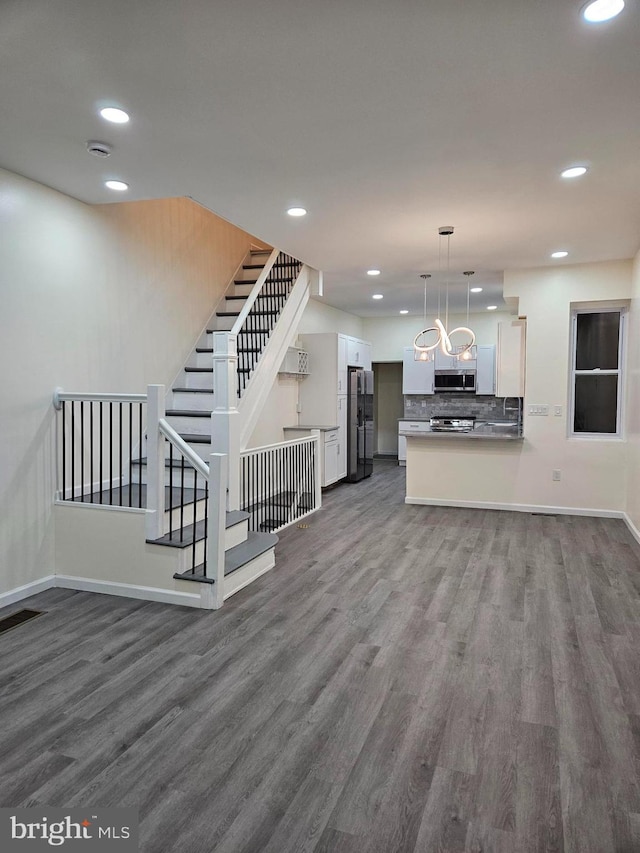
(475, 435)
(322, 428)
(484, 430)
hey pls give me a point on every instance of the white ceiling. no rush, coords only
(385, 119)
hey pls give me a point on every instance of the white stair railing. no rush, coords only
(280, 483)
(98, 436)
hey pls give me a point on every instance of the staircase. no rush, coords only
(190, 403)
(179, 476)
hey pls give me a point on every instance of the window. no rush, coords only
(596, 372)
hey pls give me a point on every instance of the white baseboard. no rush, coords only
(633, 530)
(148, 593)
(26, 591)
(546, 510)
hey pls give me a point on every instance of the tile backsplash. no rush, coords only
(483, 407)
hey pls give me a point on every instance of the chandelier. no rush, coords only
(422, 349)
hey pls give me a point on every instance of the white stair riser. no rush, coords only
(196, 380)
(184, 400)
(201, 359)
(232, 538)
(225, 324)
(185, 557)
(172, 518)
(242, 289)
(235, 304)
(236, 535)
(249, 572)
(192, 426)
(250, 275)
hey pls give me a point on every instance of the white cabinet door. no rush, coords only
(366, 355)
(510, 359)
(486, 369)
(417, 376)
(342, 364)
(330, 463)
(402, 450)
(342, 436)
(354, 352)
(445, 362)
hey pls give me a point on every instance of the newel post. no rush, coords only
(225, 430)
(154, 519)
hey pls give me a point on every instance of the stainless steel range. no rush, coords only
(452, 423)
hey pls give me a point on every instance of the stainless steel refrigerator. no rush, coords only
(359, 424)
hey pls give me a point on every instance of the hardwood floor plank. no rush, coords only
(538, 804)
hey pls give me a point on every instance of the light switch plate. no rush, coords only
(538, 409)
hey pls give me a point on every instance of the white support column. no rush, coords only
(155, 463)
(216, 530)
(225, 431)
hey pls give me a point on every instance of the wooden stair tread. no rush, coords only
(194, 438)
(188, 413)
(193, 390)
(236, 557)
(173, 540)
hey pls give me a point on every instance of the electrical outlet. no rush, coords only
(557, 411)
(555, 475)
(540, 409)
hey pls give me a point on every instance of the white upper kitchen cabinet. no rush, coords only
(510, 357)
(417, 376)
(358, 353)
(485, 369)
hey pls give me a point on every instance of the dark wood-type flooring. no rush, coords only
(407, 679)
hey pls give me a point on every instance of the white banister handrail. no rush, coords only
(290, 443)
(169, 433)
(255, 291)
(60, 396)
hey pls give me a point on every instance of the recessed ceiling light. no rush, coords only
(573, 172)
(476, 290)
(404, 311)
(115, 115)
(602, 10)
(118, 186)
(373, 272)
(377, 296)
(491, 307)
(559, 254)
(297, 211)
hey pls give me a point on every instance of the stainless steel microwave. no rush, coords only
(455, 380)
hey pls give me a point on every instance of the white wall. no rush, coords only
(389, 335)
(593, 472)
(279, 411)
(633, 401)
(319, 317)
(106, 298)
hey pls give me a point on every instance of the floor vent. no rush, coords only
(18, 618)
(546, 514)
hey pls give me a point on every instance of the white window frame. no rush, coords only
(601, 436)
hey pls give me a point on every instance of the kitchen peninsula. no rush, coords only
(463, 448)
